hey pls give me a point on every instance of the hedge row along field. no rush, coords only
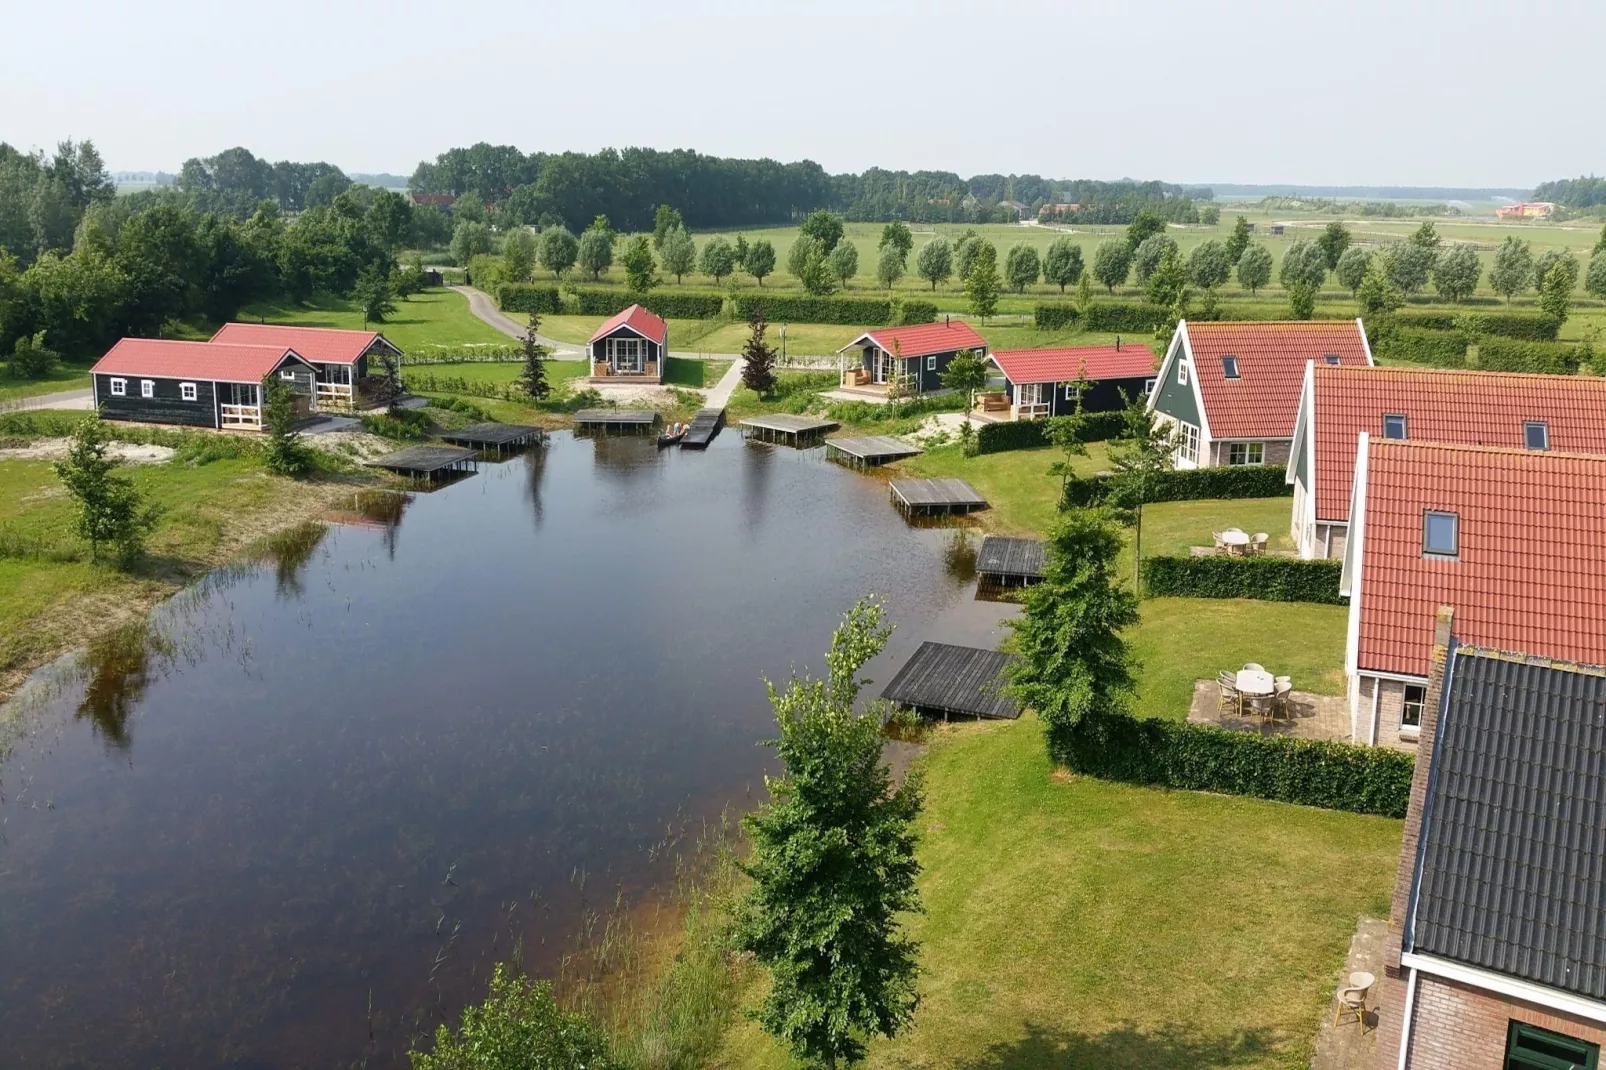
(1189, 484)
(1270, 579)
(1172, 754)
(891, 312)
(778, 308)
(1099, 316)
(1029, 434)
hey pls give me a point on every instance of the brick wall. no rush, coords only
(1391, 704)
(1273, 451)
(1459, 1027)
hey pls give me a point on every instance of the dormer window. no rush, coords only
(1536, 435)
(1441, 534)
(1331, 358)
(1394, 425)
(1229, 367)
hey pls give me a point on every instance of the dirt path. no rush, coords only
(720, 395)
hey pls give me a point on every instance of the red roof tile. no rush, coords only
(923, 339)
(161, 358)
(324, 345)
(1264, 400)
(1066, 364)
(639, 320)
(1456, 407)
(1531, 571)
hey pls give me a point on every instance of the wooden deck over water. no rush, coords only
(704, 427)
(1010, 561)
(869, 451)
(954, 680)
(788, 429)
(638, 421)
(494, 436)
(425, 461)
(935, 497)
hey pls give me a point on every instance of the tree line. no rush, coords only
(1585, 191)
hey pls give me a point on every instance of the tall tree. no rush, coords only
(1022, 267)
(679, 252)
(1411, 265)
(1112, 263)
(824, 227)
(1378, 295)
(532, 375)
(982, 284)
(1456, 274)
(1351, 268)
(559, 249)
(896, 234)
(1513, 267)
(844, 261)
(1147, 447)
(1600, 244)
(110, 510)
(1551, 258)
(1555, 293)
(470, 239)
(1146, 224)
(595, 251)
(665, 220)
(641, 267)
(760, 260)
(966, 373)
(1239, 241)
(966, 246)
(1595, 278)
(1072, 661)
(833, 866)
(1301, 300)
(1062, 264)
(804, 248)
(1334, 240)
(1208, 266)
(1168, 282)
(518, 255)
(1303, 263)
(718, 258)
(373, 294)
(758, 356)
(936, 261)
(1146, 257)
(286, 454)
(1210, 214)
(1425, 236)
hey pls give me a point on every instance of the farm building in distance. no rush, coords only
(1526, 210)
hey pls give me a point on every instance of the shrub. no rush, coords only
(1441, 349)
(848, 310)
(1190, 484)
(1426, 320)
(528, 297)
(668, 305)
(1028, 434)
(1523, 326)
(1270, 579)
(1508, 355)
(1112, 316)
(1172, 754)
(1055, 317)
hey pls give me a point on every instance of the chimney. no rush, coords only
(947, 320)
(1118, 343)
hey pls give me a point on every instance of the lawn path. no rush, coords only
(64, 399)
(720, 395)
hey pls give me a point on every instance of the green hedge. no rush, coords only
(1270, 579)
(1105, 316)
(1441, 349)
(1522, 326)
(1509, 355)
(1027, 434)
(1173, 754)
(795, 308)
(664, 303)
(1190, 484)
(1055, 317)
(1425, 320)
(528, 297)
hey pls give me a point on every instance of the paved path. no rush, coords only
(64, 399)
(720, 395)
(481, 304)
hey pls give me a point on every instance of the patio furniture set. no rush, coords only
(1254, 690)
(1237, 543)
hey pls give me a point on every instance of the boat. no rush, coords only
(673, 434)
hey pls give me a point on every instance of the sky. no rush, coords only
(1397, 92)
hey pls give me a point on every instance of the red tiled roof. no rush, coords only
(924, 339)
(1264, 400)
(160, 358)
(1068, 363)
(1457, 407)
(639, 320)
(1531, 571)
(324, 345)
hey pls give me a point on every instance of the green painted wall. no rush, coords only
(1176, 400)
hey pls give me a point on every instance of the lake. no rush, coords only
(295, 823)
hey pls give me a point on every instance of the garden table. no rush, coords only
(1235, 541)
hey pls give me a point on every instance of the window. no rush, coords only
(1330, 358)
(186, 391)
(119, 388)
(1536, 435)
(1229, 367)
(931, 364)
(1188, 442)
(1246, 453)
(1441, 534)
(1530, 1048)
(1393, 425)
(1070, 391)
(1182, 372)
(1148, 386)
(147, 388)
(1416, 696)
(287, 373)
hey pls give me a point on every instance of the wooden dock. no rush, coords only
(1009, 562)
(801, 432)
(704, 426)
(426, 462)
(497, 437)
(935, 497)
(953, 681)
(632, 421)
(870, 451)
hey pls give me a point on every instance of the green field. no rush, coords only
(434, 319)
(64, 377)
(1073, 924)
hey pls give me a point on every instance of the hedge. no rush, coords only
(663, 303)
(793, 308)
(1270, 579)
(1056, 317)
(1509, 355)
(1027, 434)
(1522, 326)
(1174, 754)
(528, 297)
(1190, 484)
(1102, 316)
(1441, 349)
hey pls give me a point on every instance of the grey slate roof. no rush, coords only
(1511, 875)
(954, 679)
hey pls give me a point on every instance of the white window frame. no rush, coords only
(1070, 391)
(1407, 704)
(1455, 521)
(1182, 373)
(931, 363)
(1149, 385)
(287, 373)
(1188, 441)
(147, 388)
(187, 391)
(1544, 434)
(119, 388)
(1029, 394)
(1249, 453)
(1405, 426)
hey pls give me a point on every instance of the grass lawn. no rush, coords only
(1073, 924)
(432, 320)
(1023, 499)
(64, 377)
(558, 372)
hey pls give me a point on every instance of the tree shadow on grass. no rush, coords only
(1126, 1048)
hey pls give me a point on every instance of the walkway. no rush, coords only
(1351, 1046)
(63, 399)
(720, 395)
(484, 306)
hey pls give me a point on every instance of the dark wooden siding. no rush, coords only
(167, 407)
(599, 348)
(1102, 395)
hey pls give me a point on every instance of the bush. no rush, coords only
(1055, 317)
(1111, 316)
(1173, 754)
(1523, 326)
(1508, 355)
(1270, 579)
(848, 310)
(668, 305)
(1190, 484)
(1426, 320)
(1441, 349)
(1028, 434)
(528, 297)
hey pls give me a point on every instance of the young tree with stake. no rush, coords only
(285, 453)
(110, 511)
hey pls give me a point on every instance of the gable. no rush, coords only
(1174, 398)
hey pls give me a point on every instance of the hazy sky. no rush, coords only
(1421, 92)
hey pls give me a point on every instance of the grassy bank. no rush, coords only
(1078, 925)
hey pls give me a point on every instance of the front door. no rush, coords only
(883, 367)
(627, 356)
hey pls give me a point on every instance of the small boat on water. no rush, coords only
(673, 434)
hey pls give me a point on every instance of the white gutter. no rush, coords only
(1405, 1027)
(1499, 983)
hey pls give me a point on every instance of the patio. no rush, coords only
(1308, 716)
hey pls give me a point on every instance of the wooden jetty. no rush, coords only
(935, 497)
(1009, 562)
(704, 426)
(633, 421)
(787, 429)
(870, 451)
(427, 462)
(497, 437)
(961, 681)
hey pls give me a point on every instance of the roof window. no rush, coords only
(1229, 367)
(1393, 425)
(1331, 358)
(1441, 534)
(1536, 435)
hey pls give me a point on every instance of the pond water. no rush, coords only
(295, 822)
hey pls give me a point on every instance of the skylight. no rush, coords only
(1536, 435)
(1393, 425)
(1331, 358)
(1229, 367)
(1441, 534)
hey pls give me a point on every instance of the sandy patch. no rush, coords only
(942, 426)
(54, 449)
(656, 397)
(358, 445)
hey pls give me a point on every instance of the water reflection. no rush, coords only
(290, 551)
(378, 509)
(535, 471)
(117, 669)
(959, 557)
